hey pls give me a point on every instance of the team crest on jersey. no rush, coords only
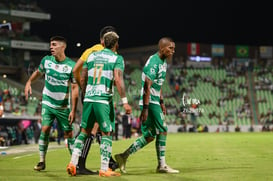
(65, 68)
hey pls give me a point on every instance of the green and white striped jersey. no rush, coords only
(100, 85)
(155, 69)
(58, 78)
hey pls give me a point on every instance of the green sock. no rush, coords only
(137, 145)
(105, 151)
(70, 143)
(77, 148)
(43, 145)
(160, 145)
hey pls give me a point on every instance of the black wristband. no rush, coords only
(145, 106)
(161, 101)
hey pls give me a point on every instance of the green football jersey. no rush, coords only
(100, 85)
(58, 78)
(155, 69)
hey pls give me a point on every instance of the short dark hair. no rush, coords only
(58, 38)
(107, 29)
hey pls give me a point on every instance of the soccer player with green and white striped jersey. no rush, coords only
(95, 132)
(153, 109)
(105, 69)
(59, 81)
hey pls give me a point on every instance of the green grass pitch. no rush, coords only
(198, 156)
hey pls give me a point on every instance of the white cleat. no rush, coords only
(166, 169)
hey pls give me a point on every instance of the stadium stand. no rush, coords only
(17, 47)
(201, 92)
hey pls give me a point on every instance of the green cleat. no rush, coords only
(121, 160)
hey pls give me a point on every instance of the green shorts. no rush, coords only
(154, 124)
(61, 115)
(104, 114)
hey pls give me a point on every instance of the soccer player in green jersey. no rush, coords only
(152, 106)
(105, 69)
(95, 132)
(59, 79)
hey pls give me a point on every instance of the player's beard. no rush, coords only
(169, 59)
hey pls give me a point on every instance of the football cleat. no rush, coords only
(108, 173)
(166, 169)
(71, 169)
(121, 160)
(40, 166)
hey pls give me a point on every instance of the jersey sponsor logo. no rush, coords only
(65, 76)
(54, 81)
(94, 92)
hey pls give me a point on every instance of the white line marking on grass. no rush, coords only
(17, 157)
(22, 156)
